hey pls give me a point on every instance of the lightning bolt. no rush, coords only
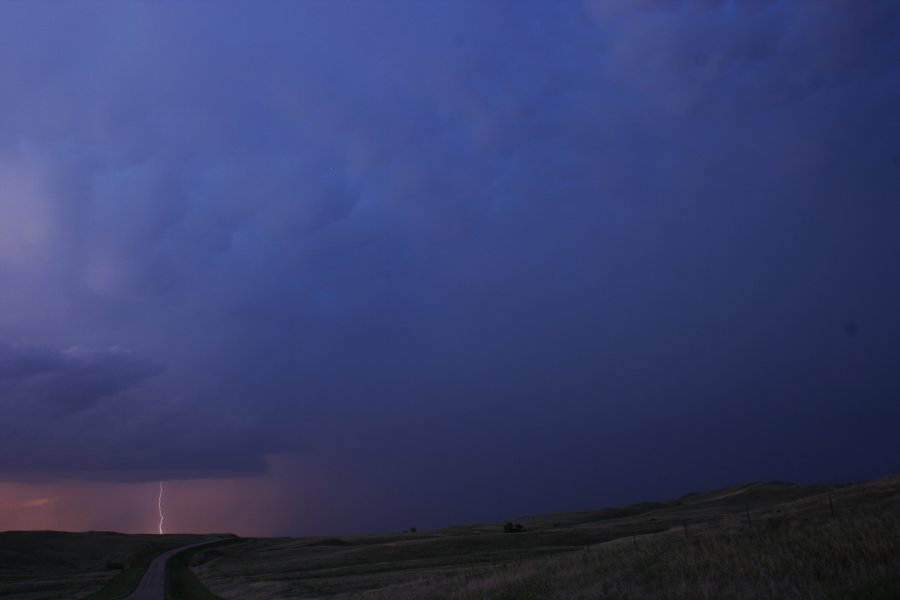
(159, 505)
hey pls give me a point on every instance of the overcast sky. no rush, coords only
(356, 266)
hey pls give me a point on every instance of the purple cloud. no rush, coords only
(371, 230)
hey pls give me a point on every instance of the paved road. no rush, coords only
(153, 584)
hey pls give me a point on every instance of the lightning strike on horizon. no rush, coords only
(159, 505)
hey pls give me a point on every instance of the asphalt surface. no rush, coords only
(153, 583)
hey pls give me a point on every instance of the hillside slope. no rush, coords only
(760, 540)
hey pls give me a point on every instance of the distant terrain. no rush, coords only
(755, 541)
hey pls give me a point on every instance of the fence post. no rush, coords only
(749, 522)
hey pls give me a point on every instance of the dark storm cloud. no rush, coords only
(458, 238)
(753, 55)
(70, 379)
(90, 413)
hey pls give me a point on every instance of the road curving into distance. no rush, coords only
(153, 583)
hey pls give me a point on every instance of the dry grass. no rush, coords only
(829, 562)
(794, 548)
(45, 565)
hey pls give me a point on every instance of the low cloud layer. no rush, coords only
(421, 236)
(68, 380)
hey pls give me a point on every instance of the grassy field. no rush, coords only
(127, 580)
(759, 541)
(181, 582)
(44, 565)
(752, 542)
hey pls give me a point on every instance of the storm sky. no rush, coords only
(334, 266)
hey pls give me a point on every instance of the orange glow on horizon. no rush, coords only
(254, 506)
